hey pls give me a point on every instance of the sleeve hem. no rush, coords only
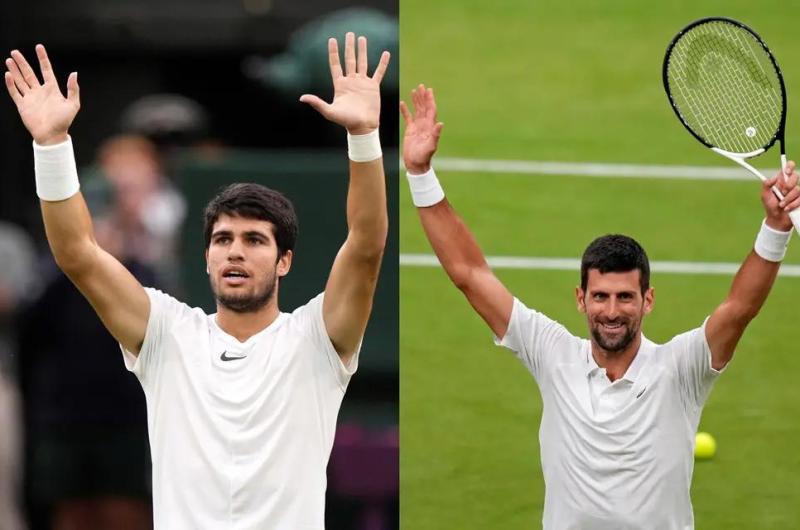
(343, 371)
(713, 371)
(138, 363)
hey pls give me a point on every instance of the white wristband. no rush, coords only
(56, 173)
(364, 147)
(425, 189)
(771, 244)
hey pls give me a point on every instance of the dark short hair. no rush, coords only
(615, 253)
(254, 201)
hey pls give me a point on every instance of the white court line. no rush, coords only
(570, 264)
(592, 169)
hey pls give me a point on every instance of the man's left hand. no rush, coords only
(356, 99)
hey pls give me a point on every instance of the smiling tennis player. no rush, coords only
(242, 404)
(619, 411)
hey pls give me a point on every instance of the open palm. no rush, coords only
(422, 131)
(356, 96)
(44, 110)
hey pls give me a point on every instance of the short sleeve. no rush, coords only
(309, 318)
(536, 339)
(163, 311)
(692, 358)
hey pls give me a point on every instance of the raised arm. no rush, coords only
(356, 106)
(454, 244)
(117, 297)
(755, 277)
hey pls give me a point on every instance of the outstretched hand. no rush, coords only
(778, 210)
(44, 110)
(356, 96)
(422, 131)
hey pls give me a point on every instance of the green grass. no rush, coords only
(577, 80)
(580, 81)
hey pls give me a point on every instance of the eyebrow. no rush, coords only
(248, 233)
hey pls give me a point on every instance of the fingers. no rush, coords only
(16, 77)
(791, 199)
(424, 104)
(361, 65)
(431, 103)
(316, 103)
(424, 108)
(788, 170)
(44, 64)
(333, 59)
(383, 64)
(769, 188)
(416, 98)
(12, 89)
(73, 90)
(405, 112)
(349, 53)
(27, 72)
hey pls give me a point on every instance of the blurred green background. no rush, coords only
(580, 81)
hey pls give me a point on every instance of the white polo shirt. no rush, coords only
(615, 456)
(240, 432)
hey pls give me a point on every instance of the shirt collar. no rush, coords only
(645, 350)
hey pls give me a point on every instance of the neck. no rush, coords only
(242, 326)
(616, 363)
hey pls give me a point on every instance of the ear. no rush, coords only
(205, 254)
(284, 264)
(580, 299)
(649, 300)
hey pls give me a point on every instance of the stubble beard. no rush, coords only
(246, 303)
(615, 345)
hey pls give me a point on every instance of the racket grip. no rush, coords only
(794, 215)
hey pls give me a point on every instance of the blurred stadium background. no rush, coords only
(580, 82)
(206, 92)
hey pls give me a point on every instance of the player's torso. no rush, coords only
(247, 426)
(622, 456)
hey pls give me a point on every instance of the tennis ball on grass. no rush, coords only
(704, 446)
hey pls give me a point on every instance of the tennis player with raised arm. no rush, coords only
(619, 411)
(241, 404)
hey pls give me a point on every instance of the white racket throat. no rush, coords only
(740, 159)
(794, 215)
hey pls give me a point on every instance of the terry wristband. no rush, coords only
(771, 244)
(56, 173)
(364, 147)
(425, 189)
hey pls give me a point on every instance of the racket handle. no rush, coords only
(794, 215)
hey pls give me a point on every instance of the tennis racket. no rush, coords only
(726, 88)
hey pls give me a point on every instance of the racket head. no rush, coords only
(725, 86)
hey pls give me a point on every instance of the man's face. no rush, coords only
(243, 264)
(614, 307)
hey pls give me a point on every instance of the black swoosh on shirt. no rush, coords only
(225, 357)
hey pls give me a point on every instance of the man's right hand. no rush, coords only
(422, 131)
(46, 113)
(777, 212)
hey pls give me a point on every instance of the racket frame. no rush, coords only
(779, 134)
(739, 158)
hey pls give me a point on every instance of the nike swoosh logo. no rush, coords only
(640, 393)
(225, 357)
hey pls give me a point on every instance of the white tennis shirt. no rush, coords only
(615, 456)
(240, 432)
